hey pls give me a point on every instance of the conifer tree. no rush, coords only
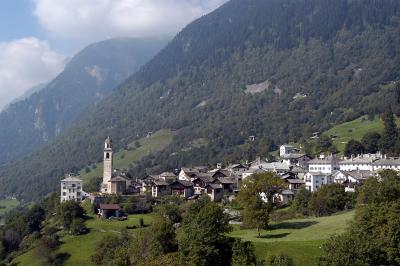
(390, 133)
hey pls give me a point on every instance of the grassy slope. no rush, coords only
(9, 204)
(78, 249)
(300, 238)
(124, 158)
(355, 129)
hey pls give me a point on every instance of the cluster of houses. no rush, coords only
(295, 168)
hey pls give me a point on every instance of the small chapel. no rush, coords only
(113, 182)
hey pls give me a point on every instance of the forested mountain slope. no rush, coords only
(88, 78)
(276, 69)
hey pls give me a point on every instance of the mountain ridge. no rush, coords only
(87, 78)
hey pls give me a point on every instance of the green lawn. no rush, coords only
(78, 249)
(126, 158)
(9, 204)
(301, 239)
(355, 129)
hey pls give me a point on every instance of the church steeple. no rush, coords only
(108, 160)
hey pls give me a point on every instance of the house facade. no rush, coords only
(315, 180)
(182, 188)
(71, 189)
(324, 164)
(287, 149)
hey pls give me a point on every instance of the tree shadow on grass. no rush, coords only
(292, 225)
(272, 236)
(61, 258)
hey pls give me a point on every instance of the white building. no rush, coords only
(296, 159)
(314, 180)
(364, 162)
(324, 164)
(392, 163)
(287, 149)
(370, 162)
(354, 177)
(71, 189)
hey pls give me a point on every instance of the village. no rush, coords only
(295, 168)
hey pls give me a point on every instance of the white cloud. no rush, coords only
(25, 63)
(100, 19)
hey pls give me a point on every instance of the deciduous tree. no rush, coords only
(257, 197)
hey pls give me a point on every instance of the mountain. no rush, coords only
(88, 78)
(27, 94)
(274, 69)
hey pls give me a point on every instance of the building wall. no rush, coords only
(315, 181)
(356, 166)
(71, 191)
(328, 168)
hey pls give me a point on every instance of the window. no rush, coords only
(64, 193)
(79, 187)
(73, 185)
(107, 155)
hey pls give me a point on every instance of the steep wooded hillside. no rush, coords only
(89, 77)
(275, 69)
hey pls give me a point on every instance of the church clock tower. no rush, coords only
(107, 166)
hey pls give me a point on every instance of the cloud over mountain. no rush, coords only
(25, 63)
(101, 19)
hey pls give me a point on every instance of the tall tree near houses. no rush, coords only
(257, 198)
(390, 133)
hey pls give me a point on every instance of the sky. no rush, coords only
(38, 36)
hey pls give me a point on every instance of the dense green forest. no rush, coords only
(318, 63)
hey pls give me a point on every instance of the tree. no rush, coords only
(353, 147)
(35, 217)
(163, 236)
(389, 137)
(78, 226)
(68, 211)
(370, 141)
(301, 201)
(281, 260)
(2, 249)
(328, 199)
(257, 198)
(324, 144)
(201, 238)
(243, 253)
(46, 247)
(373, 238)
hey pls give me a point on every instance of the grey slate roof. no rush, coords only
(118, 179)
(325, 160)
(293, 155)
(388, 161)
(214, 186)
(295, 181)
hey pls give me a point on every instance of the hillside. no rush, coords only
(126, 158)
(275, 69)
(288, 237)
(300, 238)
(355, 129)
(89, 77)
(7, 205)
(78, 249)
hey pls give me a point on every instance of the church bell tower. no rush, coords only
(107, 165)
